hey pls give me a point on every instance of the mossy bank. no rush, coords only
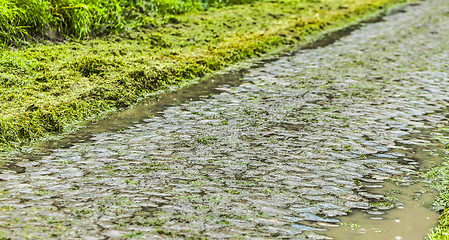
(439, 177)
(49, 86)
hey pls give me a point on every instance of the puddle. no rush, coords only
(409, 219)
(409, 216)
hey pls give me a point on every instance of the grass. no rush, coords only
(22, 21)
(47, 87)
(439, 177)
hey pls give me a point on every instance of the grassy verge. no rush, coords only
(46, 87)
(439, 177)
(24, 21)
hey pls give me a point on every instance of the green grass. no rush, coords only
(439, 177)
(46, 87)
(22, 21)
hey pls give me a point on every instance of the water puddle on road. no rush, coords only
(408, 217)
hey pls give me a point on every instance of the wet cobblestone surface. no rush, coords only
(279, 156)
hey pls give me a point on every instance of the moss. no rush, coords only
(441, 232)
(439, 178)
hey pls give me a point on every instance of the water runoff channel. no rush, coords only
(404, 216)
